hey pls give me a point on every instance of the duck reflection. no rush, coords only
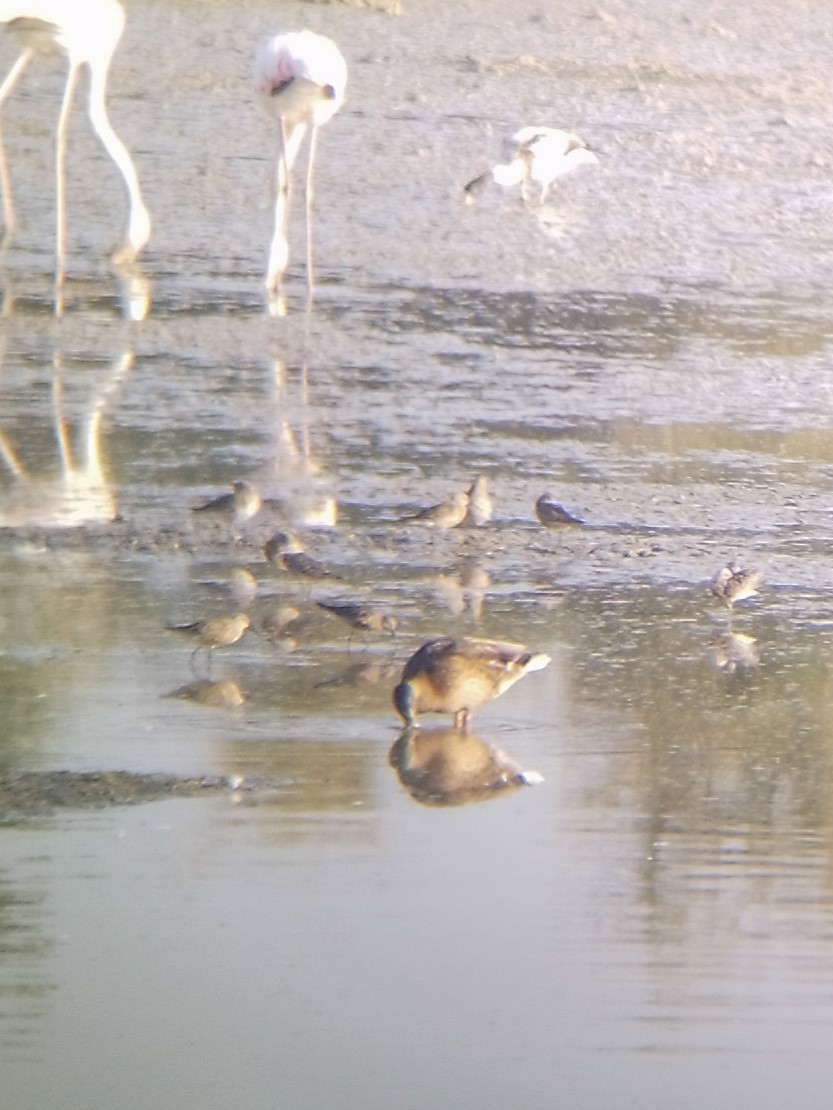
(81, 492)
(446, 767)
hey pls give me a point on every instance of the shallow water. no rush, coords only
(650, 926)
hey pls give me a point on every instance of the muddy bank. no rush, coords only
(41, 793)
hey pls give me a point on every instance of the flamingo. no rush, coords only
(87, 32)
(300, 77)
(539, 154)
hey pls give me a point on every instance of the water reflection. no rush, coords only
(364, 672)
(611, 323)
(218, 694)
(448, 767)
(131, 297)
(83, 491)
(23, 975)
(304, 485)
(734, 652)
(135, 292)
(464, 588)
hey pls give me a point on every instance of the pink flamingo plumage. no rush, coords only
(87, 32)
(301, 77)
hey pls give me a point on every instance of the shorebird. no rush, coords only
(552, 514)
(286, 551)
(480, 503)
(241, 504)
(300, 77)
(732, 584)
(448, 514)
(87, 32)
(214, 632)
(457, 676)
(536, 154)
(364, 618)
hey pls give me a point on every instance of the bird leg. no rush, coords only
(139, 221)
(60, 178)
(310, 161)
(138, 228)
(5, 181)
(461, 719)
(279, 251)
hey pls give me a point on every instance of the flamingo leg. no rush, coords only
(279, 250)
(60, 180)
(5, 181)
(310, 168)
(138, 230)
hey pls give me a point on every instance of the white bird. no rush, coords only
(537, 154)
(301, 77)
(87, 32)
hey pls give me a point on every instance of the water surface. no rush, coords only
(649, 926)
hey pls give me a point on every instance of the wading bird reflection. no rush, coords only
(83, 491)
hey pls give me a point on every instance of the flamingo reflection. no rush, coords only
(81, 492)
(305, 487)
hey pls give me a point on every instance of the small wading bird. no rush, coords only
(448, 514)
(364, 618)
(301, 79)
(732, 583)
(551, 514)
(480, 503)
(214, 632)
(241, 504)
(538, 155)
(87, 32)
(286, 551)
(457, 676)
